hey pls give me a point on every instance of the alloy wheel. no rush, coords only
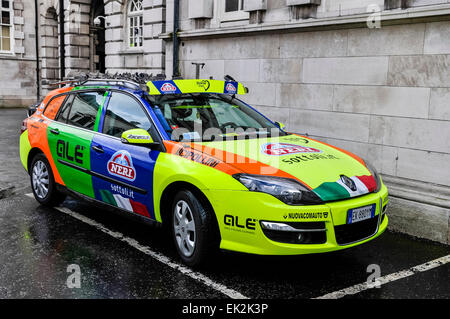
(184, 228)
(40, 178)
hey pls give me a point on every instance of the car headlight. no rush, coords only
(287, 190)
(375, 175)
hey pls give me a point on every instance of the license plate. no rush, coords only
(359, 214)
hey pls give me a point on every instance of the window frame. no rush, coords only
(67, 101)
(10, 25)
(70, 99)
(154, 131)
(157, 136)
(238, 15)
(131, 16)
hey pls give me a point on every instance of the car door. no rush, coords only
(69, 138)
(130, 187)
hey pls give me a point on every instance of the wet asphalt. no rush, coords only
(37, 245)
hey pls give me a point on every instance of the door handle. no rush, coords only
(54, 131)
(98, 149)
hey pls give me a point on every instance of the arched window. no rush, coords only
(6, 26)
(135, 24)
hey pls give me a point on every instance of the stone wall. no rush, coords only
(381, 93)
(18, 69)
(151, 57)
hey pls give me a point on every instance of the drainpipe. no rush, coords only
(38, 69)
(176, 26)
(62, 33)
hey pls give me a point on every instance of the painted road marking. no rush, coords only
(158, 256)
(388, 278)
(236, 295)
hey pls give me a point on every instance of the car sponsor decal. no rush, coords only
(168, 88)
(279, 149)
(219, 160)
(346, 187)
(198, 157)
(125, 203)
(306, 215)
(230, 88)
(295, 139)
(204, 84)
(195, 86)
(67, 152)
(121, 165)
(241, 225)
(298, 159)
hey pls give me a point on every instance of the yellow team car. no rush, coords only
(189, 154)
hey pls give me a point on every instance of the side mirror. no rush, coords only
(137, 137)
(280, 125)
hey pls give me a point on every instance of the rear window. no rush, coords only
(53, 106)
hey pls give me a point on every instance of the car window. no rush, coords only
(65, 109)
(199, 113)
(53, 107)
(124, 113)
(84, 109)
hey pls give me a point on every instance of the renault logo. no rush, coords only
(349, 183)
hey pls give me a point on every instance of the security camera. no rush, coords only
(97, 20)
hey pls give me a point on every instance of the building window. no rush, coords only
(135, 24)
(233, 10)
(233, 5)
(6, 26)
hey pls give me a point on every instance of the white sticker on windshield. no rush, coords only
(191, 136)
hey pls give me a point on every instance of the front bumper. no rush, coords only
(239, 214)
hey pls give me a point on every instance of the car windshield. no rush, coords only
(208, 117)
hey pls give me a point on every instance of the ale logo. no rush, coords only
(121, 165)
(168, 87)
(278, 149)
(230, 88)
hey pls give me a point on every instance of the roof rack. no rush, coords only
(130, 80)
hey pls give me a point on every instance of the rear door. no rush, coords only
(123, 173)
(70, 137)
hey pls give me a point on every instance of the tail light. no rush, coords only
(24, 126)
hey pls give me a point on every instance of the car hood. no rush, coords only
(330, 172)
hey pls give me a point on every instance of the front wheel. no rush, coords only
(193, 228)
(43, 183)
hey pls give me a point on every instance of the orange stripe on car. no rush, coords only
(227, 162)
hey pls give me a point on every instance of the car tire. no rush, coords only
(43, 183)
(193, 229)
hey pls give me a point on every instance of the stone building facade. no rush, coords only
(370, 76)
(17, 53)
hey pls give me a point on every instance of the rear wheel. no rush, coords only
(193, 228)
(43, 183)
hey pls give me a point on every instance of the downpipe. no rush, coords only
(38, 69)
(62, 54)
(176, 27)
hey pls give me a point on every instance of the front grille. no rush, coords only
(346, 234)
